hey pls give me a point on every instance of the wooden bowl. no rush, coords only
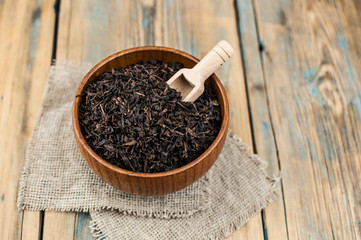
(150, 183)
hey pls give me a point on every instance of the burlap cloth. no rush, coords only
(56, 177)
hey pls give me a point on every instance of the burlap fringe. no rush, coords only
(95, 230)
(21, 192)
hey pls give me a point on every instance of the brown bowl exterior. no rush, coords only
(150, 183)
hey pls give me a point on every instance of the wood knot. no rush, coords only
(283, 18)
(258, 87)
(327, 85)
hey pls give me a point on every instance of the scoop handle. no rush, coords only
(213, 60)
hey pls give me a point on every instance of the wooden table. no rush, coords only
(293, 85)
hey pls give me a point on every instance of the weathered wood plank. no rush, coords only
(275, 226)
(58, 225)
(197, 27)
(89, 31)
(312, 70)
(31, 225)
(81, 228)
(26, 42)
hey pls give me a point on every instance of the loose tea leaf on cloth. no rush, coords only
(239, 190)
(56, 177)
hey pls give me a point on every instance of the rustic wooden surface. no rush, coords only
(293, 84)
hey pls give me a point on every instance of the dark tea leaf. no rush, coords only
(132, 119)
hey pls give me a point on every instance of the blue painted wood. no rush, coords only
(34, 33)
(22, 30)
(312, 71)
(81, 228)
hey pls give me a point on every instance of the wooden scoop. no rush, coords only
(190, 82)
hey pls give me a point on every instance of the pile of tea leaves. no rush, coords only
(131, 118)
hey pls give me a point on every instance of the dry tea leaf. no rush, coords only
(130, 143)
(132, 119)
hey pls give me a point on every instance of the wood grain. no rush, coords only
(58, 226)
(31, 224)
(275, 226)
(81, 228)
(187, 25)
(311, 62)
(312, 71)
(26, 43)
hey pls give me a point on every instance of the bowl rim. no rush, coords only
(81, 140)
